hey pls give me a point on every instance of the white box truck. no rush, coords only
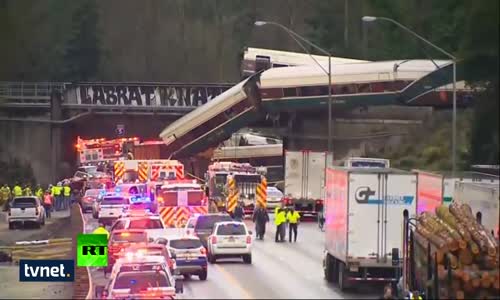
(363, 223)
(471, 177)
(483, 198)
(305, 180)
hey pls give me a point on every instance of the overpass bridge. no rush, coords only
(105, 98)
(53, 114)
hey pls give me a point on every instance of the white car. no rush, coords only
(228, 240)
(274, 197)
(111, 207)
(26, 209)
(145, 278)
(152, 224)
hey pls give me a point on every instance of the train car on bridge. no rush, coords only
(258, 59)
(361, 84)
(215, 121)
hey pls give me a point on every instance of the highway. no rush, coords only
(279, 271)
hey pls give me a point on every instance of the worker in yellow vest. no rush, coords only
(293, 218)
(57, 190)
(101, 230)
(27, 190)
(17, 191)
(280, 222)
(67, 195)
(39, 192)
(5, 196)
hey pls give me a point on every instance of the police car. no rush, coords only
(190, 256)
(111, 207)
(138, 251)
(145, 278)
(120, 240)
(152, 224)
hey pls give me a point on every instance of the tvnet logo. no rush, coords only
(46, 270)
(92, 250)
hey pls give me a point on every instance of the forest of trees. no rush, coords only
(201, 41)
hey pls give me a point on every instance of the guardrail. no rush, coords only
(43, 249)
(30, 92)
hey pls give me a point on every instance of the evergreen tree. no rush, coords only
(82, 54)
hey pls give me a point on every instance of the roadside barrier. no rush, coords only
(39, 249)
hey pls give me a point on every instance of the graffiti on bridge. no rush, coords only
(129, 95)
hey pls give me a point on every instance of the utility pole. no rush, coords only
(346, 24)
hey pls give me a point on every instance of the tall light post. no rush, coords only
(296, 37)
(454, 59)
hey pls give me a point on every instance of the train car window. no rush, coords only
(290, 92)
(364, 88)
(314, 90)
(262, 63)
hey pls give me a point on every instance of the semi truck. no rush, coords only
(363, 223)
(483, 198)
(304, 181)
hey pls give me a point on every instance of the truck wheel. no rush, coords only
(328, 268)
(11, 226)
(342, 274)
(203, 275)
(247, 258)
(211, 258)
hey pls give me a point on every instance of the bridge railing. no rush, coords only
(29, 92)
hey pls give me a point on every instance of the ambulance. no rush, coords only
(129, 171)
(178, 200)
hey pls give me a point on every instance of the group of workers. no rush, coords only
(282, 218)
(55, 197)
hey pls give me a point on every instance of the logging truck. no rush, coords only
(448, 254)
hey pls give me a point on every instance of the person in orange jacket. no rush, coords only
(47, 203)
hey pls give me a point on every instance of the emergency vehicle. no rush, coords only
(101, 150)
(147, 170)
(178, 200)
(230, 183)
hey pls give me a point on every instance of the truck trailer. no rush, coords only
(363, 223)
(483, 199)
(305, 180)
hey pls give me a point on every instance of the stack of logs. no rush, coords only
(462, 246)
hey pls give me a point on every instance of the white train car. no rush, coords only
(354, 84)
(215, 121)
(257, 59)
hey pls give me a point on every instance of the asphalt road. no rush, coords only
(278, 271)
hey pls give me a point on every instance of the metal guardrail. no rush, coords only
(37, 92)
(44, 249)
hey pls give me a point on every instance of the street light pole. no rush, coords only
(454, 60)
(295, 36)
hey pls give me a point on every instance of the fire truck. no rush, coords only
(147, 170)
(101, 150)
(178, 200)
(229, 183)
